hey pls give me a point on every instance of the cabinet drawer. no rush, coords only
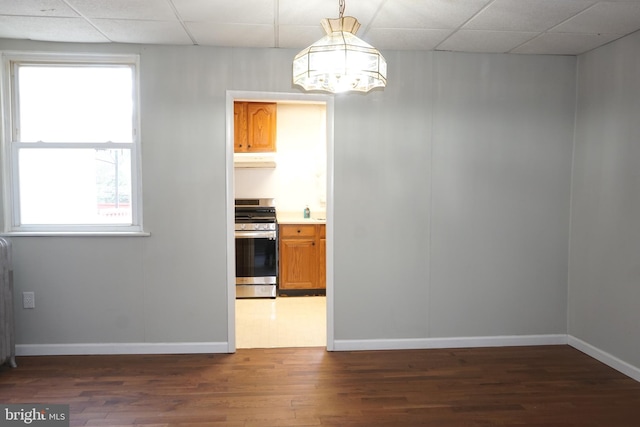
(297, 230)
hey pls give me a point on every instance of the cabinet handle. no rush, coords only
(299, 230)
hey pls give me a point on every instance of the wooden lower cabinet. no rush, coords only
(322, 256)
(302, 257)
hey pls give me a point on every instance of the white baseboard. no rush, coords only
(604, 357)
(120, 348)
(339, 345)
(458, 342)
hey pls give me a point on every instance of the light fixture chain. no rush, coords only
(341, 7)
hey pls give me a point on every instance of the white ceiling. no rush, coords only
(565, 27)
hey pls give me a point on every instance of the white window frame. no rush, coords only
(10, 146)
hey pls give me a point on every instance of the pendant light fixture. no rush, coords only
(340, 61)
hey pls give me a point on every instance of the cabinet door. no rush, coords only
(322, 257)
(298, 264)
(261, 118)
(240, 127)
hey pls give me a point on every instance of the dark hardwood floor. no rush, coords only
(511, 386)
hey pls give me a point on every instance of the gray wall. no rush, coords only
(501, 173)
(604, 268)
(452, 198)
(451, 204)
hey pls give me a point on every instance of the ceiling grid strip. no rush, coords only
(89, 21)
(184, 26)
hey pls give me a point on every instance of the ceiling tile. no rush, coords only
(432, 14)
(150, 32)
(459, 25)
(313, 11)
(49, 29)
(241, 35)
(411, 39)
(124, 9)
(526, 15)
(290, 12)
(294, 36)
(485, 41)
(36, 8)
(225, 11)
(565, 43)
(608, 17)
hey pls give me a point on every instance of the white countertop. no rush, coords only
(298, 218)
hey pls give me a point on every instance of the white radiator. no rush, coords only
(7, 343)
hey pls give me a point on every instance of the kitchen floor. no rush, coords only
(281, 322)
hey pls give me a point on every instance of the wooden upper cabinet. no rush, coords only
(254, 127)
(262, 126)
(240, 127)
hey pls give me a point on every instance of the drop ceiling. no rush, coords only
(561, 27)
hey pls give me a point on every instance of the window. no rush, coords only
(71, 144)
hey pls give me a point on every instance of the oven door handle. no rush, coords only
(271, 235)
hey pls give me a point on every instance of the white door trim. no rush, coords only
(231, 96)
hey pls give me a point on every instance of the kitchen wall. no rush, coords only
(299, 177)
(451, 206)
(604, 270)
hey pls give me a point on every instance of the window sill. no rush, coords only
(76, 234)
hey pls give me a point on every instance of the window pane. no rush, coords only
(75, 186)
(75, 104)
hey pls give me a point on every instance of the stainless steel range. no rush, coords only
(256, 236)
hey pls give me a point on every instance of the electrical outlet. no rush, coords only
(28, 300)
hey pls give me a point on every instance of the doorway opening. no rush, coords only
(271, 313)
